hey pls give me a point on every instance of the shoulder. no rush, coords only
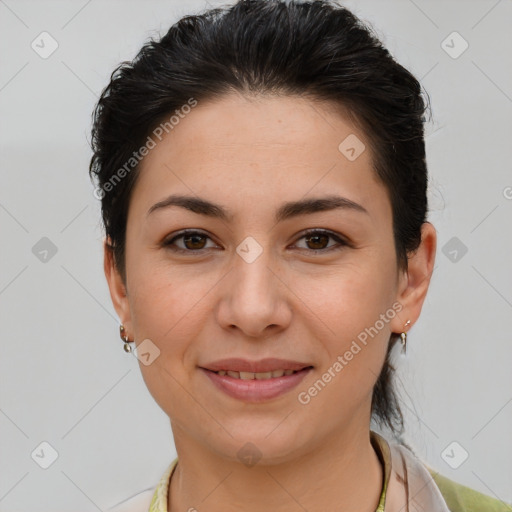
(461, 498)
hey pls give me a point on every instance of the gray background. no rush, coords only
(65, 378)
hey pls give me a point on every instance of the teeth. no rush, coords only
(246, 375)
(263, 375)
(257, 376)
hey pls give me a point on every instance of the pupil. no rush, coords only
(187, 239)
(315, 239)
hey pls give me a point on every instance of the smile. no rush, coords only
(258, 376)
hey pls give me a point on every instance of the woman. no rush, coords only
(263, 183)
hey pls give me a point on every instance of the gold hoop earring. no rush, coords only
(124, 337)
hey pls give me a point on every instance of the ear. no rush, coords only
(414, 282)
(118, 291)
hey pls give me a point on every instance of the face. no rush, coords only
(264, 273)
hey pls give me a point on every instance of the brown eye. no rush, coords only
(318, 240)
(194, 241)
(190, 242)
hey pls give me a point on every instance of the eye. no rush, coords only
(317, 239)
(193, 241)
(196, 241)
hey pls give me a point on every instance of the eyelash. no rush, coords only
(341, 242)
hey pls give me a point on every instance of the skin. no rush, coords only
(251, 155)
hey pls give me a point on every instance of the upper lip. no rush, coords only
(263, 365)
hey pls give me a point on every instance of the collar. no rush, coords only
(159, 499)
(383, 451)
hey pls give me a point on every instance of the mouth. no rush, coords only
(257, 376)
(269, 378)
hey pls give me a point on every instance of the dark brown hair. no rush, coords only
(316, 49)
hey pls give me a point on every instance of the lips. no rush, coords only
(256, 381)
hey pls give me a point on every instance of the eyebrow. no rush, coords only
(285, 211)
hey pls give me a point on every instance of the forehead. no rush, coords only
(265, 124)
(265, 146)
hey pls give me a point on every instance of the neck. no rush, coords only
(344, 473)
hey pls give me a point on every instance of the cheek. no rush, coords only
(353, 312)
(164, 302)
(349, 298)
(164, 310)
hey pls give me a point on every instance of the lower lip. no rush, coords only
(255, 390)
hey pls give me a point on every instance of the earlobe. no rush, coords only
(416, 281)
(117, 288)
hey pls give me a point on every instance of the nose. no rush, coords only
(254, 299)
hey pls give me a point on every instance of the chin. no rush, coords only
(267, 443)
